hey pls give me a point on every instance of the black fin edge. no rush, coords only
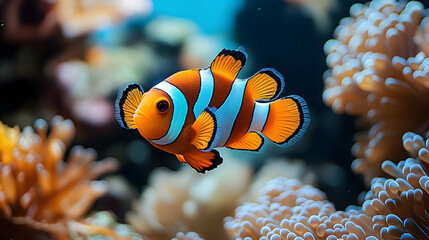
(249, 150)
(238, 54)
(278, 77)
(304, 123)
(216, 161)
(211, 111)
(120, 100)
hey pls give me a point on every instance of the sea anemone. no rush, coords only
(40, 193)
(399, 205)
(106, 220)
(187, 236)
(377, 73)
(182, 202)
(287, 209)
(393, 208)
(185, 201)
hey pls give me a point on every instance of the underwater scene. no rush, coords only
(215, 120)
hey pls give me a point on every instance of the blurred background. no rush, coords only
(69, 57)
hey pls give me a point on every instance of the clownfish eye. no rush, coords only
(162, 106)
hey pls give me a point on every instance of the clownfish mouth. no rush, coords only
(147, 127)
(140, 121)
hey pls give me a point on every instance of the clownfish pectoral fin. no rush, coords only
(266, 84)
(252, 141)
(228, 63)
(127, 101)
(287, 120)
(181, 158)
(203, 161)
(205, 130)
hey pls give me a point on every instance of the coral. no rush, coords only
(77, 17)
(187, 236)
(274, 168)
(287, 209)
(399, 205)
(422, 36)
(8, 140)
(105, 219)
(36, 20)
(39, 192)
(89, 82)
(393, 208)
(377, 73)
(184, 201)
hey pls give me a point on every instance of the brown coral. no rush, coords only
(377, 73)
(393, 208)
(39, 192)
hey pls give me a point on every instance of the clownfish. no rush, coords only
(192, 112)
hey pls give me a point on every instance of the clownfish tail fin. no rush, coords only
(287, 120)
(228, 63)
(127, 101)
(267, 84)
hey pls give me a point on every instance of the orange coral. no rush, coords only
(8, 140)
(39, 192)
(377, 73)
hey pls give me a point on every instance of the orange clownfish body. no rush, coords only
(194, 111)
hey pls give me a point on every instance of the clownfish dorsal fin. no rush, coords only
(205, 130)
(202, 161)
(267, 84)
(127, 101)
(228, 63)
(251, 141)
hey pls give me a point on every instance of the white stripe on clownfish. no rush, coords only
(180, 111)
(260, 115)
(206, 91)
(228, 113)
